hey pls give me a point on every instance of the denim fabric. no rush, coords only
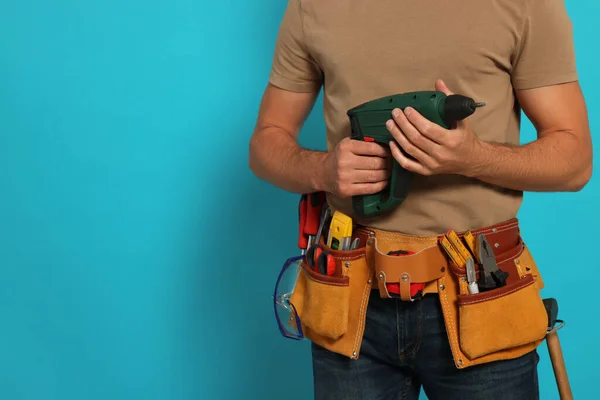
(405, 349)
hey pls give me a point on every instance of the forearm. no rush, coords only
(276, 157)
(556, 162)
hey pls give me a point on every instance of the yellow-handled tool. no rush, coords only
(340, 231)
(462, 257)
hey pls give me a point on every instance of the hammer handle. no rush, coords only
(558, 365)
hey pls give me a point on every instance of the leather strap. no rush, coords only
(426, 265)
(429, 263)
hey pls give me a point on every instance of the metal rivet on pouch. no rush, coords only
(442, 269)
(380, 276)
(371, 235)
(404, 278)
(459, 362)
(370, 281)
(517, 261)
(494, 230)
(442, 287)
(463, 279)
(369, 242)
(354, 353)
(496, 245)
(347, 264)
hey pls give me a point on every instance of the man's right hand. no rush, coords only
(352, 168)
(356, 168)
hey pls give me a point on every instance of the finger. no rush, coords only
(369, 162)
(407, 163)
(412, 131)
(362, 148)
(408, 143)
(433, 133)
(368, 188)
(373, 176)
(440, 85)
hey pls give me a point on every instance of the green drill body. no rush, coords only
(368, 123)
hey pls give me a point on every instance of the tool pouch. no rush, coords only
(332, 309)
(322, 302)
(502, 323)
(500, 319)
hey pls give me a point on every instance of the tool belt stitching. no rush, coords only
(450, 321)
(502, 258)
(405, 270)
(493, 232)
(410, 268)
(402, 270)
(508, 255)
(395, 235)
(502, 294)
(416, 254)
(365, 301)
(404, 267)
(350, 258)
(326, 282)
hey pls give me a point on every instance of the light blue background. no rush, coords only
(137, 251)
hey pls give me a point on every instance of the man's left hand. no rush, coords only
(435, 150)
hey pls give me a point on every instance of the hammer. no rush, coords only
(555, 351)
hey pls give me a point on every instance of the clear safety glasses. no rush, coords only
(285, 313)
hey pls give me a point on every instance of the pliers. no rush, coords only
(491, 277)
(320, 260)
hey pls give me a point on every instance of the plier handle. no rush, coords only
(491, 276)
(320, 260)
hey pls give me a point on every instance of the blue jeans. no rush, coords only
(404, 349)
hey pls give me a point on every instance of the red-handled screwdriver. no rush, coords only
(302, 211)
(309, 215)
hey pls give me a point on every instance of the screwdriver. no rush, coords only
(472, 276)
(314, 205)
(324, 216)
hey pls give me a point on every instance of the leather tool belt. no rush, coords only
(501, 323)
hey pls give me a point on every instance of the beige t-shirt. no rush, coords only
(358, 50)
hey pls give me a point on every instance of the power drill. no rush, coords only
(367, 122)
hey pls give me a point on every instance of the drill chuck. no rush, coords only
(458, 107)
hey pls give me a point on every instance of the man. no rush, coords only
(514, 55)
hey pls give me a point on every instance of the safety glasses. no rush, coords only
(285, 312)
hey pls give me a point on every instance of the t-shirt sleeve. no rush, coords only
(545, 55)
(293, 67)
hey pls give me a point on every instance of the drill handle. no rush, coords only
(367, 206)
